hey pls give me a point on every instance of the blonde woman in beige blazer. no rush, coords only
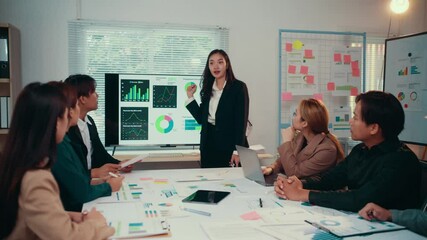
(308, 149)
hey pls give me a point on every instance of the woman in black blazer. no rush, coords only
(223, 112)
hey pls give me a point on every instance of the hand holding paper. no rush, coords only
(133, 160)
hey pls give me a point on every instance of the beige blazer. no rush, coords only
(317, 157)
(42, 216)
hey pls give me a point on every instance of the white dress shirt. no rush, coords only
(213, 103)
(84, 130)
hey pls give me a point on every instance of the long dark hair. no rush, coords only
(208, 78)
(31, 139)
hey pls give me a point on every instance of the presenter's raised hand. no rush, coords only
(191, 90)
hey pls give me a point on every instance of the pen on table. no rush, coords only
(260, 202)
(116, 176)
(371, 214)
(197, 211)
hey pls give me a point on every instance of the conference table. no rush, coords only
(150, 202)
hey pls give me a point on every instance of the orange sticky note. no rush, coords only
(292, 69)
(286, 96)
(309, 79)
(347, 59)
(304, 70)
(330, 86)
(318, 96)
(354, 91)
(288, 47)
(308, 53)
(355, 72)
(337, 57)
(354, 64)
(250, 216)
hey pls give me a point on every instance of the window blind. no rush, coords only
(99, 47)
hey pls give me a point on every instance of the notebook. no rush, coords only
(251, 166)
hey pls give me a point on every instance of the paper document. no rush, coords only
(139, 228)
(352, 225)
(234, 230)
(133, 160)
(199, 177)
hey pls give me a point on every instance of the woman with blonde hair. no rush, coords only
(308, 149)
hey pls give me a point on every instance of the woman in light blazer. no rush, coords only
(29, 196)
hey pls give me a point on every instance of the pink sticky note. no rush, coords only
(347, 59)
(330, 86)
(250, 216)
(292, 69)
(146, 179)
(337, 57)
(309, 79)
(355, 64)
(354, 91)
(304, 70)
(286, 96)
(308, 53)
(288, 47)
(355, 72)
(318, 96)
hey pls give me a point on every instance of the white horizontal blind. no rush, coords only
(375, 49)
(96, 48)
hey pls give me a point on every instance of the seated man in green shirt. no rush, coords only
(414, 219)
(381, 169)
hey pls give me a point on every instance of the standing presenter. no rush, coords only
(223, 112)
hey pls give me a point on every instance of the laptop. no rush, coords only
(251, 166)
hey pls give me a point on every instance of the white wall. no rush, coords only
(253, 28)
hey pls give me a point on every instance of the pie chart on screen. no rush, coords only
(164, 124)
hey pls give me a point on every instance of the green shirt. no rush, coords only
(74, 179)
(414, 219)
(388, 174)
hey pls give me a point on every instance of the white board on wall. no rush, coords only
(405, 76)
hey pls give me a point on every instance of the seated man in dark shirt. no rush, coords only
(85, 134)
(381, 169)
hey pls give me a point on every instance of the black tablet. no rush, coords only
(206, 196)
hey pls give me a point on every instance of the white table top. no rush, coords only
(163, 186)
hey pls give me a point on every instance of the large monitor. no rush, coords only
(149, 110)
(405, 76)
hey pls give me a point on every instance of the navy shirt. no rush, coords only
(388, 174)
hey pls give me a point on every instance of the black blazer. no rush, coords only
(100, 156)
(230, 119)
